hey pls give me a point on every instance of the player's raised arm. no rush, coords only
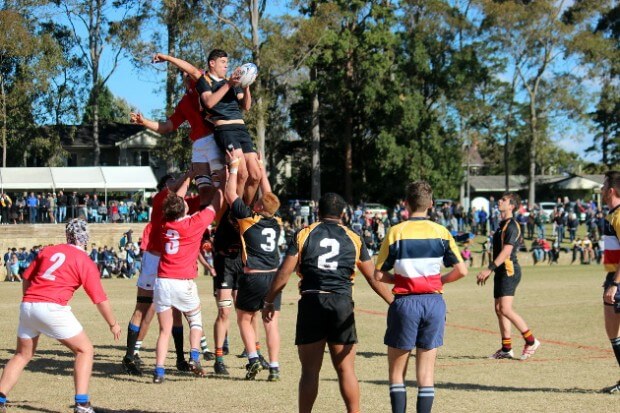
(231, 184)
(186, 67)
(159, 127)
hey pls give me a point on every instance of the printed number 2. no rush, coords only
(334, 250)
(172, 246)
(57, 259)
(270, 238)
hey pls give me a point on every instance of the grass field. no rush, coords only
(562, 304)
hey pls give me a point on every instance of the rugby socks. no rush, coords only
(82, 399)
(615, 344)
(258, 347)
(226, 345)
(203, 344)
(528, 337)
(132, 339)
(426, 396)
(2, 399)
(137, 347)
(507, 344)
(177, 336)
(253, 357)
(274, 365)
(194, 354)
(160, 371)
(219, 355)
(398, 397)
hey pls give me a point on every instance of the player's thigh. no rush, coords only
(612, 321)
(51, 319)
(79, 343)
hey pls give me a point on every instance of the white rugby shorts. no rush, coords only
(205, 150)
(148, 271)
(180, 294)
(51, 319)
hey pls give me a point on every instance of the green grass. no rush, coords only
(561, 304)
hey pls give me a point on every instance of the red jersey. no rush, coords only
(188, 109)
(182, 240)
(157, 217)
(146, 233)
(58, 271)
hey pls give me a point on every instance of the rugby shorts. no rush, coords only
(148, 271)
(327, 317)
(205, 150)
(236, 135)
(505, 285)
(51, 319)
(416, 320)
(180, 294)
(252, 291)
(608, 280)
(228, 268)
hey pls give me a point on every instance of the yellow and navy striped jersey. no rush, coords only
(259, 237)
(509, 233)
(327, 254)
(611, 257)
(415, 250)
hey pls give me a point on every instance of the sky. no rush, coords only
(144, 91)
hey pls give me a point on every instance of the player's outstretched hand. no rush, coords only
(235, 79)
(158, 58)
(482, 277)
(231, 158)
(116, 331)
(136, 118)
(609, 296)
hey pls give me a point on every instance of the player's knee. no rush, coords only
(194, 318)
(254, 174)
(218, 177)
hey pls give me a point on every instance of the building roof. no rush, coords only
(496, 183)
(81, 135)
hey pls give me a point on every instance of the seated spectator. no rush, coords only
(588, 252)
(577, 250)
(466, 255)
(554, 254)
(537, 251)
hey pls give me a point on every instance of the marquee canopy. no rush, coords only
(108, 178)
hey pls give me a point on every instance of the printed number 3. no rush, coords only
(270, 238)
(172, 246)
(334, 250)
(57, 259)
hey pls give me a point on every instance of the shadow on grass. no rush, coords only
(104, 410)
(24, 406)
(370, 354)
(483, 387)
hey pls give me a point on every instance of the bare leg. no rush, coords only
(165, 330)
(81, 346)
(311, 358)
(272, 331)
(26, 348)
(255, 173)
(343, 359)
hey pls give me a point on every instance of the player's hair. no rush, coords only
(216, 54)
(271, 203)
(419, 196)
(514, 199)
(331, 205)
(173, 207)
(613, 180)
(161, 184)
(77, 232)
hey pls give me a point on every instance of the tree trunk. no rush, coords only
(3, 121)
(96, 145)
(316, 142)
(261, 124)
(348, 132)
(533, 144)
(171, 71)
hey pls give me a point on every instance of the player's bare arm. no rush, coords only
(483, 275)
(159, 127)
(245, 99)
(186, 67)
(210, 99)
(367, 269)
(459, 271)
(279, 282)
(105, 310)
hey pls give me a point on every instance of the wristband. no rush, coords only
(492, 266)
(617, 284)
(233, 170)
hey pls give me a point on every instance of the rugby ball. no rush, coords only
(248, 73)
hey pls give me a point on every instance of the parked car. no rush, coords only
(546, 210)
(375, 208)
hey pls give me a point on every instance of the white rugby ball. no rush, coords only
(248, 73)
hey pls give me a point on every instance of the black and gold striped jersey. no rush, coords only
(327, 255)
(259, 237)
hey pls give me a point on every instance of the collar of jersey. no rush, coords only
(616, 207)
(417, 219)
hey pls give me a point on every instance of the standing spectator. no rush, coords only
(52, 203)
(573, 224)
(123, 211)
(114, 215)
(93, 208)
(531, 223)
(32, 204)
(102, 211)
(7, 264)
(62, 207)
(482, 221)
(42, 213)
(558, 219)
(72, 204)
(5, 207)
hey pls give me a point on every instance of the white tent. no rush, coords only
(91, 178)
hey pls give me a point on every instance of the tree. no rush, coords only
(533, 38)
(94, 18)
